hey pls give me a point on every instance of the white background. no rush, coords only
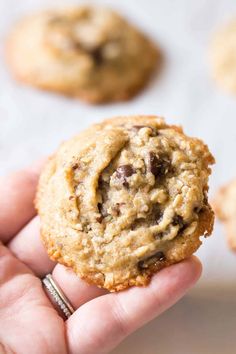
(33, 123)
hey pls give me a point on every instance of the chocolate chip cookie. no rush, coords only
(225, 208)
(223, 57)
(87, 52)
(125, 198)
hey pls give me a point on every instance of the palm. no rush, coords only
(28, 321)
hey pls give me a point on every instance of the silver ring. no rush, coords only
(57, 296)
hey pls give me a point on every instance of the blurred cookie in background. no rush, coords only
(225, 208)
(87, 52)
(223, 57)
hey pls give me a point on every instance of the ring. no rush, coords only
(57, 296)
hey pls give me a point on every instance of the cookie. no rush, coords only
(125, 198)
(225, 208)
(87, 52)
(223, 57)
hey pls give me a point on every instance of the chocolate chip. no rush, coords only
(96, 54)
(99, 219)
(123, 172)
(133, 226)
(178, 220)
(158, 236)
(156, 214)
(102, 210)
(158, 165)
(75, 166)
(102, 183)
(146, 263)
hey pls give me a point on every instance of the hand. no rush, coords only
(28, 321)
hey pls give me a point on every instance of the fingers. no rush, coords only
(9, 266)
(75, 289)
(17, 193)
(98, 326)
(28, 247)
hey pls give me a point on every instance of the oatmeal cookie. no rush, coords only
(223, 57)
(225, 208)
(124, 199)
(88, 52)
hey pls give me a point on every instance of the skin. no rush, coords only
(28, 321)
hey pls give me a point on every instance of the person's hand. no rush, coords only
(28, 321)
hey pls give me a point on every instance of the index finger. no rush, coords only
(17, 193)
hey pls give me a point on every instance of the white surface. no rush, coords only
(33, 123)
